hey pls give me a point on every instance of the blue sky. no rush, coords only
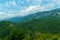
(12, 8)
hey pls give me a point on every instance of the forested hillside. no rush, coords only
(36, 29)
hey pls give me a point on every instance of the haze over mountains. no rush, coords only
(29, 19)
(37, 15)
(41, 24)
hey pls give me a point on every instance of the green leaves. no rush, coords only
(48, 29)
(15, 35)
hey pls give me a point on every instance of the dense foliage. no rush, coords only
(37, 29)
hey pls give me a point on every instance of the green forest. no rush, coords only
(36, 29)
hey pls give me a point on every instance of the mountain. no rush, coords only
(37, 27)
(45, 14)
(46, 23)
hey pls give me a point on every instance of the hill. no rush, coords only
(32, 27)
(38, 15)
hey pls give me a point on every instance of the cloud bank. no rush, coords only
(25, 12)
(9, 9)
(4, 15)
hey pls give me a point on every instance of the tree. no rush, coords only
(16, 34)
(29, 36)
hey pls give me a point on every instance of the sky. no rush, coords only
(12, 8)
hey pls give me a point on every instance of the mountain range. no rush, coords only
(38, 15)
(47, 22)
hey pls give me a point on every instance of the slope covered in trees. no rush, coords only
(37, 29)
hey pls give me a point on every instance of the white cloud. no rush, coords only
(4, 15)
(45, 2)
(24, 12)
(9, 4)
(34, 9)
(30, 10)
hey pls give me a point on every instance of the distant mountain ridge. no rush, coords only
(46, 14)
